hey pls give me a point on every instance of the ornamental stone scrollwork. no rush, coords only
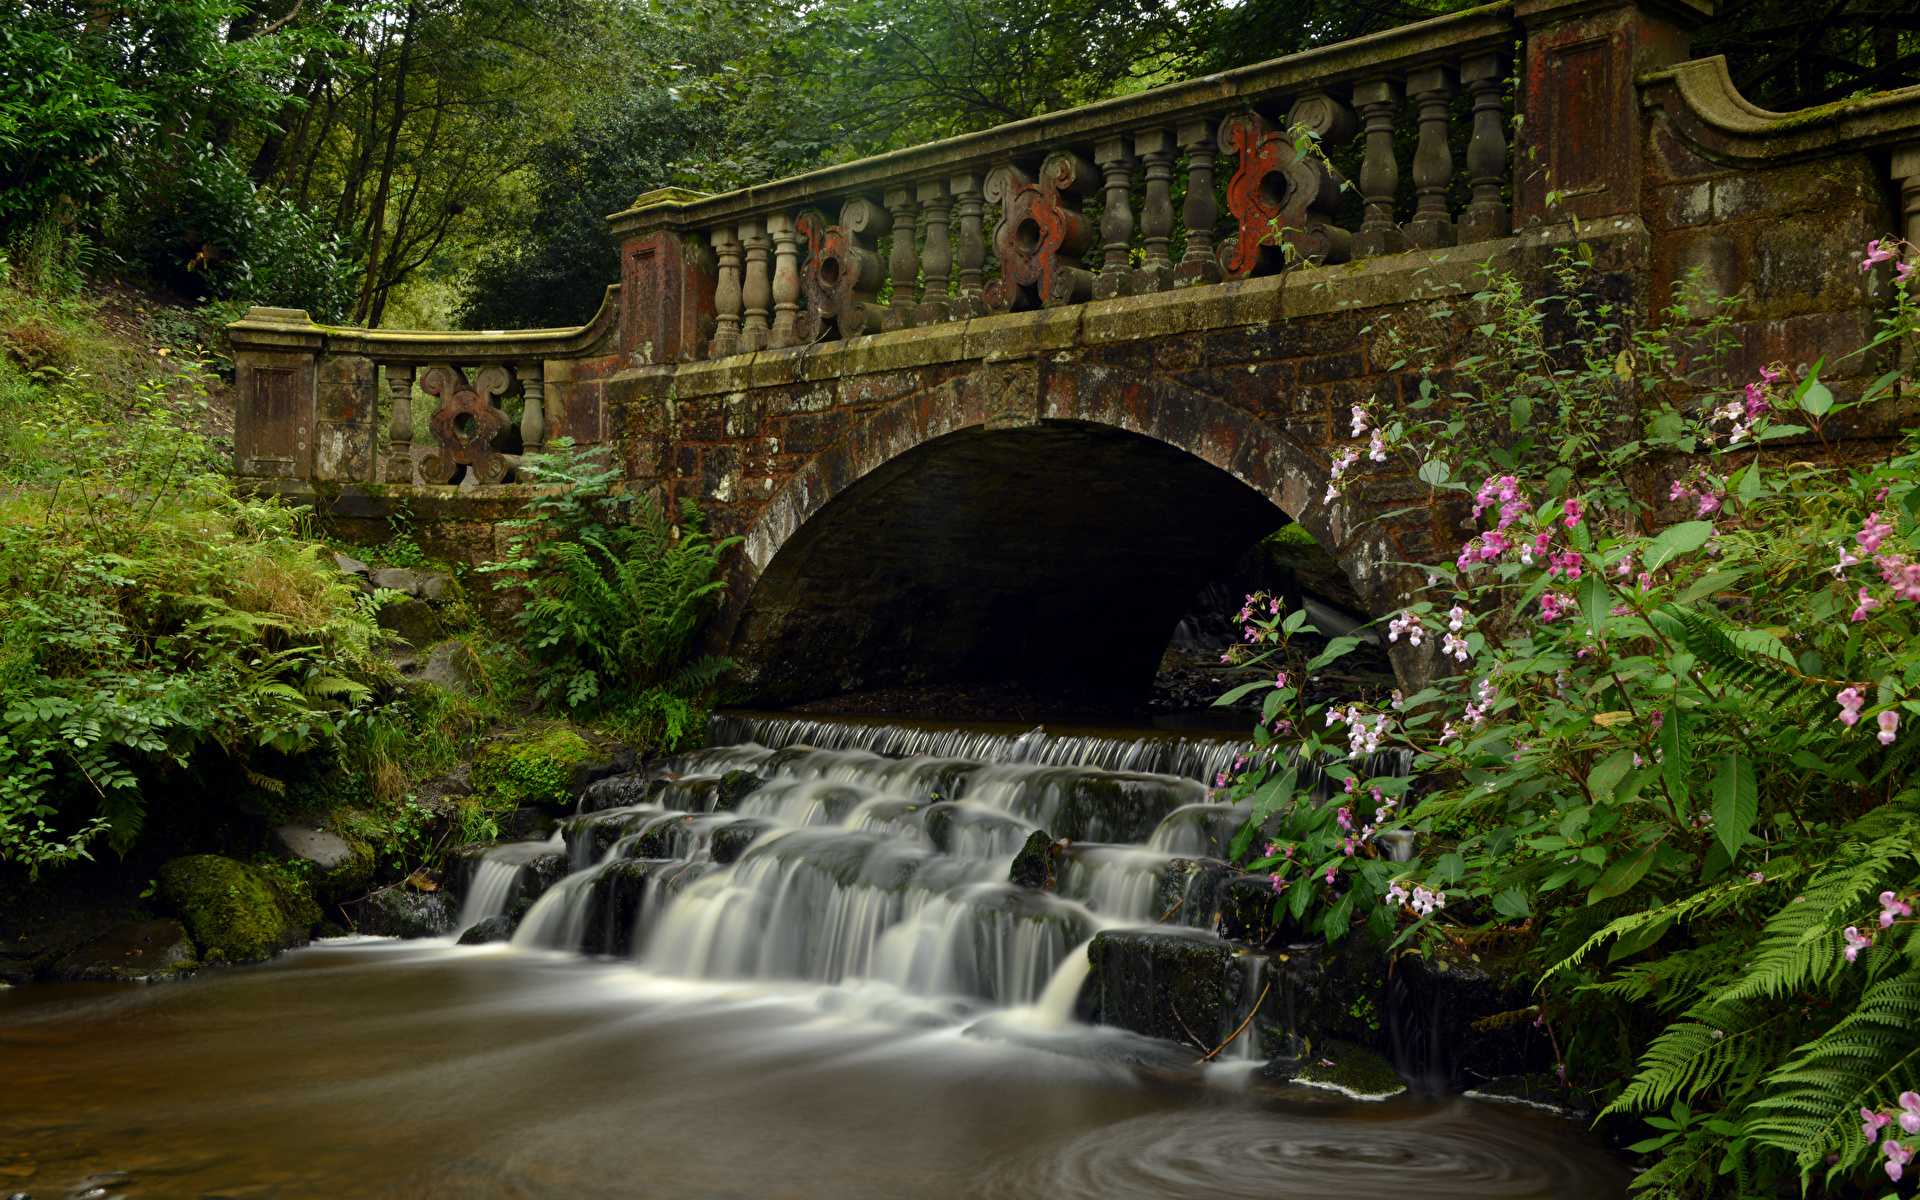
(469, 424)
(1281, 194)
(843, 273)
(1041, 234)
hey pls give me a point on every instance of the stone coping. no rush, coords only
(293, 329)
(1701, 98)
(1446, 39)
(1369, 284)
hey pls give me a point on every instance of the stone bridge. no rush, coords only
(997, 405)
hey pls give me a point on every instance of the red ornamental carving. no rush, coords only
(843, 273)
(1279, 196)
(469, 424)
(1041, 234)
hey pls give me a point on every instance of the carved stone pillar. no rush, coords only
(1486, 217)
(1156, 148)
(969, 203)
(1201, 209)
(1116, 221)
(1378, 101)
(468, 423)
(905, 259)
(533, 412)
(726, 295)
(786, 281)
(400, 432)
(756, 293)
(936, 257)
(1433, 89)
(1042, 234)
(843, 271)
(1279, 195)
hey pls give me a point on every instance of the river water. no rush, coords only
(852, 1001)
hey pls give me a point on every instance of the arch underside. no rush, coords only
(1055, 557)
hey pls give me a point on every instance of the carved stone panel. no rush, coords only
(1279, 196)
(469, 424)
(1042, 234)
(843, 273)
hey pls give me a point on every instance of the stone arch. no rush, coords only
(1160, 425)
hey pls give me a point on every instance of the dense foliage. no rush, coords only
(616, 592)
(1662, 768)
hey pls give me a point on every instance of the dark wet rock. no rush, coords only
(150, 950)
(1033, 865)
(401, 911)
(340, 866)
(235, 913)
(734, 786)
(1190, 892)
(528, 821)
(457, 867)
(1246, 905)
(732, 839)
(414, 620)
(590, 771)
(350, 566)
(1115, 807)
(1163, 985)
(661, 841)
(454, 666)
(490, 929)
(1340, 1066)
(618, 897)
(951, 826)
(1541, 1090)
(1452, 1019)
(538, 874)
(621, 790)
(397, 579)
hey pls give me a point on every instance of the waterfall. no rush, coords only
(879, 863)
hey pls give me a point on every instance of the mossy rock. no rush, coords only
(1344, 1067)
(235, 913)
(1032, 866)
(538, 770)
(490, 929)
(400, 911)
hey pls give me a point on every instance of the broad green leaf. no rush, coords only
(1298, 897)
(1596, 599)
(1676, 752)
(1683, 538)
(1511, 903)
(1749, 488)
(1274, 794)
(1813, 397)
(1433, 472)
(1335, 649)
(1243, 690)
(1603, 778)
(1295, 621)
(1736, 802)
(1335, 923)
(1633, 942)
(1622, 875)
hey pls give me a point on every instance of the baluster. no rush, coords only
(757, 293)
(533, 407)
(1116, 222)
(786, 280)
(400, 433)
(1378, 101)
(905, 259)
(969, 201)
(1201, 208)
(1432, 88)
(1486, 217)
(936, 257)
(726, 295)
(1156, 149)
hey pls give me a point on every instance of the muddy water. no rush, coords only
(421, 1070)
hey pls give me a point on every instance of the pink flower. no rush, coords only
(1871, 1123)
(1891, 907)
(1872, 533)
(1879, 250)
(1897, 1157)
(1867, 605)
(1889, 727)
(1279, 884)
(1902, 272)
(1756, 401)
(1574, 511)
(1850, 701)
(1856, 942)
(1553, 607)
(1757, 877)
(1709, 504)
(1910, 1118)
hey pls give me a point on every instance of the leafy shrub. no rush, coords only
(613, 604)
(1668, 779)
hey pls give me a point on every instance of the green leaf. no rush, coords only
(1603, 778)
(1433, 472)
(1335, 649)
(1630, 944)
(1813, 396)
(1622, 875)
(1683, 538)
(1736, 802)
(1511, 903)
(1596, 600)
(1243, 690)
(1274, 794)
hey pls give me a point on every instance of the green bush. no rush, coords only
(613, 605)
(1668, 779)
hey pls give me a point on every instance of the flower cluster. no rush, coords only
(1704, 490)
(1872, 1122)
(1360, 738)
(1851, 701)
(1888, 250)
(1408, 624)
(1856, 941)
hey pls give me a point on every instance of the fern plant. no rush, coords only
(616, 593)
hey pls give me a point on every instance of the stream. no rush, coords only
(794, 967)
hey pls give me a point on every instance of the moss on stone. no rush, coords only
(234, 912)
(537, 770)
(1350, 1069)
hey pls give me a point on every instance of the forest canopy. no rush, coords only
(407, 162)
